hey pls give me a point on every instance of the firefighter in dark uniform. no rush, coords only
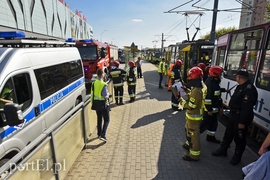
(194, 114)
(241, 115)
(131, 81)
(203, 66)
(117, 75)
(212, 103)
(176, 77)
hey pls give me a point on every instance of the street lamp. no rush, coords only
(101, 34)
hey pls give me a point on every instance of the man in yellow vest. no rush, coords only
(194, 114)
(6, 96)
(100, 93)
(161, 72)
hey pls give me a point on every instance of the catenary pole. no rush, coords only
(214, 21)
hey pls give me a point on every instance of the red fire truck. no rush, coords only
(95, 55)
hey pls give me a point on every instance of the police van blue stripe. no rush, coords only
(44, 105)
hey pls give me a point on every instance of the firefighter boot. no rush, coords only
(186, 147)
(221, 151)
(121, 101)
(236, 158)
(188, 158)
(212, 139)
(116, 101)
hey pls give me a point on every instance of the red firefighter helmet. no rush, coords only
(178, 62)
(202, 66)
(116, 63)
(131, 64)
(207, 69)
(194, 73)
(215, 71)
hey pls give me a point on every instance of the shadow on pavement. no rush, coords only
(170, 155)
(151, 79)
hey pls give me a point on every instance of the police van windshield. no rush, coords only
(88, 53)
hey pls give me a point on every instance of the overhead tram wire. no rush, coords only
(215, 10)
(227, 19)
(176, 26)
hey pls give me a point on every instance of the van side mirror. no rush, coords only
(13, 114)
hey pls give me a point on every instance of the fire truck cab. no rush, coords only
(95, 55)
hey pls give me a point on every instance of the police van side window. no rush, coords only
(53, 78)
(17, 90)
(75, 70)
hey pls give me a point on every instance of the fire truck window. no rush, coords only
(102, 53)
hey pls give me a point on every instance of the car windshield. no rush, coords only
(88, 53)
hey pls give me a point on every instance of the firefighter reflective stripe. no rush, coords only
(132, 84)
(211, 133)
(195, 117)
(217, 93)
(175, 105)
(208, 102)
(191, 103)
(182, 102)
(187, 143)
(115, 74)
(118, 84)
(195, 153)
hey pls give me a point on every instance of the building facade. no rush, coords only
(255, 16)
(44, 18)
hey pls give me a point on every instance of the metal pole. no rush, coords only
(162, 39)
(214, 21)
(102, 34)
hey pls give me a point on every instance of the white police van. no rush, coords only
(39, 83)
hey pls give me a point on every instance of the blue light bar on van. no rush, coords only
(12, 34)
(88, 40)
(70, 40)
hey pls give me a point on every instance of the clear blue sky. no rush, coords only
(122, 22)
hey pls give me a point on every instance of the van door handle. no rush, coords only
(37, 112)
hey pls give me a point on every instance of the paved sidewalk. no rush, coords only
(144, 142)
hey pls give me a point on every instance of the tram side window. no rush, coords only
(220, 56)
(263, 80)
(244, 53)
(53, 78)
(17, 90)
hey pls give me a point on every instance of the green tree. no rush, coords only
(219, 32)
(267, 12)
